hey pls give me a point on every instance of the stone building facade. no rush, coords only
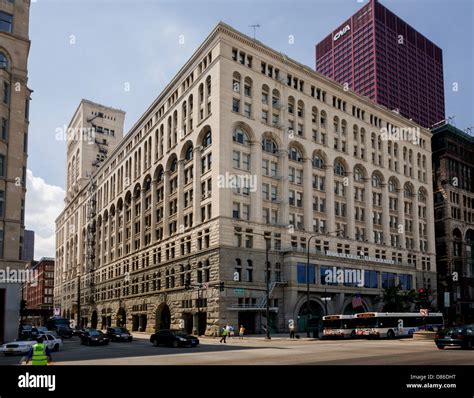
(453, 174)
(246, 147)
(14, 115)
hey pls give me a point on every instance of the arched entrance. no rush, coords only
(310, 317)
(163, 317)
(94, 320)
(121, 317)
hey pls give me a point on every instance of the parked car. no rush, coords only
(459, 336)
(118, 334)
(40, 329)
(23, 346)
(60, 325)
(173, 339)
(94, 337)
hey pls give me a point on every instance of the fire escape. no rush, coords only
(91, 243)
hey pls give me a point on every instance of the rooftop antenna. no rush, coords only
(254, 29)
(451, 120)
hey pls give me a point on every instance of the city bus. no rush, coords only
(395, 324)
(339, 326)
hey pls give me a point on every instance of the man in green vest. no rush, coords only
(39, 353)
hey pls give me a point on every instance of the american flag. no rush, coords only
(357, 301)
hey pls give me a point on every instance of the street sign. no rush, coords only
(423, 312)
(181, 323)
(57, 311)
(239, 291)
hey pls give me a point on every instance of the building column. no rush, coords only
(385, 215)
(283, 188)
(142, 217)
(196, 186)
(369, 225)
(180, 195)
(350, 212)
(416, 221)
(166, 203)
(132, 221)
(124, 228)
(401, 218)
(154, 184)
(330, 199)
(256, 200)
(431, 239)
(308, 194)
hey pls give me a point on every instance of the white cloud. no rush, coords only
(44, 202)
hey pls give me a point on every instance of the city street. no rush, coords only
(257, 351)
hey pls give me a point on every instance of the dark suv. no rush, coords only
(60, 326)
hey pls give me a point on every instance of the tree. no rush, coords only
(395, 299)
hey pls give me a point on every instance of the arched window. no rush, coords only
(208, 85)
(268, 145)
(339, 168)
(421, 196)
(174, 165)
(189, 153)
(376, 181)
(3, 61)
(240, 136)
(207, 140)
(318, 161)
(295, 154)
(358, 174)
(391, 185)
(407, 191)
(159, 178)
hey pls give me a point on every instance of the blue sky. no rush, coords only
(91, 49)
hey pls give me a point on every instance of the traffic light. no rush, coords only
(23, 304)
(423, 294)
(221, 286)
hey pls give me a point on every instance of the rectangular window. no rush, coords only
(6, 21)
(248, 110)
(246, 161)
(2, 166)
(6, 93)
(236, 159)
(2, 204)
(4, 127)
(301, 273)
(236, 105)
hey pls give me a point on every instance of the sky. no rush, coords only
(95, 49)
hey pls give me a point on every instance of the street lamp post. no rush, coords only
(308, 315)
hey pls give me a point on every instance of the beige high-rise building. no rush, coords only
(14, 109)
(243, 145)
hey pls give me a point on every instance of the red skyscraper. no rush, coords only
(380, 56)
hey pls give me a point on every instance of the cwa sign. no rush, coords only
(342, 32)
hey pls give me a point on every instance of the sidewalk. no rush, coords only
(275, 336)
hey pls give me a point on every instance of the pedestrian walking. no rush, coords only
(292, 330)
(224, 335)
(241, 332)
(39, 353)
